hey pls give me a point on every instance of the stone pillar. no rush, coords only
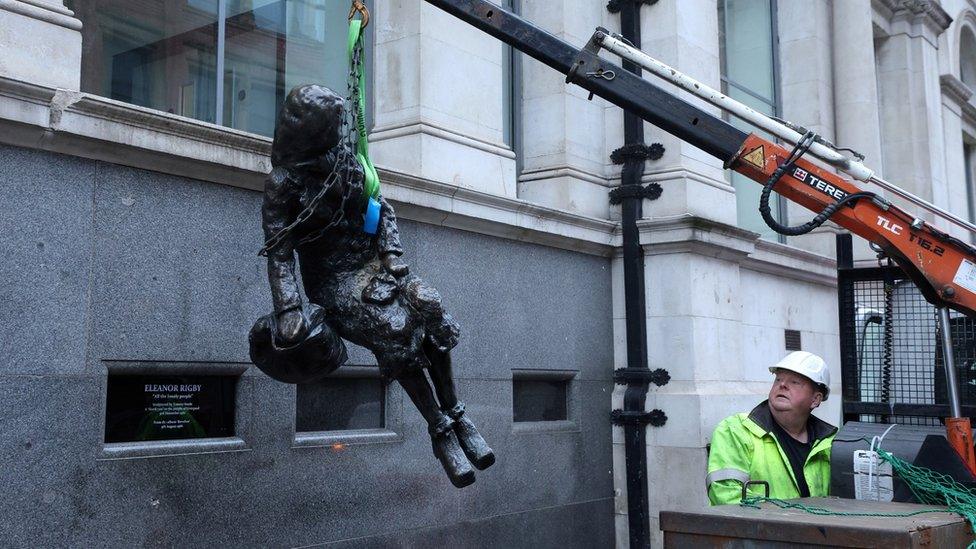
(41, 43)
(684, 34)
(856, 117)
(438, 112)
(695, 331)
(955, 107)
(563, 150)
(807, 94)
(911, 99)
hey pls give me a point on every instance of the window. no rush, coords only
(541, 395)
(747, 41)
(341, 404)
(229, 62)
(539, 400)
(967, 58)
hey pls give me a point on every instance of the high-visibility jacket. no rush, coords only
(743, 448)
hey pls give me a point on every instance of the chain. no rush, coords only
(352, 97)
(342, 164)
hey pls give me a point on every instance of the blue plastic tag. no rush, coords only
(371, 219)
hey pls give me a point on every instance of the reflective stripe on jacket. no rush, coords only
(743, 448)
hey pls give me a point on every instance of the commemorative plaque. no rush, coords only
(167, 407)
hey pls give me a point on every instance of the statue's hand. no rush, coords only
(393, 265)
(292, 326)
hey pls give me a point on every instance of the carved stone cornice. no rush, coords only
(917, 18)
(958, 96)
(969, 113)
(955, 90)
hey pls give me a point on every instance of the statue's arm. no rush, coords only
(276, 214)
(388, 240)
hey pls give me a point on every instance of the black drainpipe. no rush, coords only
(637, 376)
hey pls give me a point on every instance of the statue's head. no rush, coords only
(309, 124)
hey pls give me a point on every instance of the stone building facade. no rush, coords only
(130, 225)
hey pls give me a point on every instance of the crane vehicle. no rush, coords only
(941, 265)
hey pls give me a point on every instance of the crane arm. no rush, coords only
(942, 266)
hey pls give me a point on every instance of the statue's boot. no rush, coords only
(448, 451)
(473, 444)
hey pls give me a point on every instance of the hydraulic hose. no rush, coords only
(802, 146)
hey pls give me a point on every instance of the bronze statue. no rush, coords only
(358, 286)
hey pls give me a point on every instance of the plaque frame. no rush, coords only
(244, 398)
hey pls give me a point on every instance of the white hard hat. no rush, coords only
(807, 365)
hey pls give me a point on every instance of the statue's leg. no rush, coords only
(473, 444)
(439, 425)
(441, 374)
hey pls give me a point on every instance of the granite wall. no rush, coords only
(107, 265)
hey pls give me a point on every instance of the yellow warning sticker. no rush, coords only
(756, 157)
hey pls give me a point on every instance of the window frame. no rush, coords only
(780, 207)
(243, 408)
(220, 65)
(571, 423)
(392, 430)
(967, 55)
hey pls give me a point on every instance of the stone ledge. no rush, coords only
(42, 11)
(171, 448)
(669, 174)
(340, 439)
(545, 427)
(689, 234)
(99, 128)
(790, 262)
(410, 128)
(565, 171)
(467, 209)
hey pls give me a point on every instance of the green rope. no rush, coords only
(754, 501)
(929, 487)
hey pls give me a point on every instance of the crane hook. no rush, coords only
(358, 6)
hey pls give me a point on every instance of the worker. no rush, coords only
(779, 441)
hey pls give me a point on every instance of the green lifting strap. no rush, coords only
(371, 185)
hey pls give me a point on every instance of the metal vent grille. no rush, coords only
(793, 340)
